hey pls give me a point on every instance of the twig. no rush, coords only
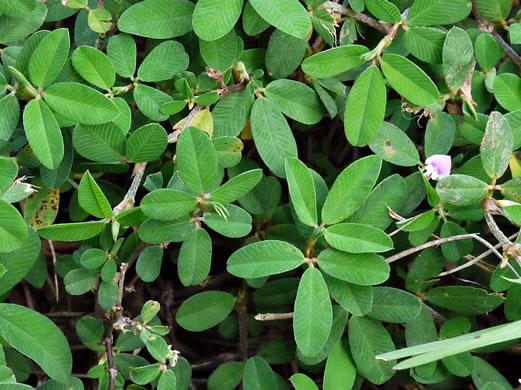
(113, 371)
(53, 253)
(475, 259)
(218, 360)
(335, 7)
(242, 310)
(429, 244)
(273, 316)
(128, 201)
(121, 284)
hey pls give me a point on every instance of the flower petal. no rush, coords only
(442, 163)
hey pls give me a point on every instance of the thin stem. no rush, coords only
(429, 244)
(358, 16)
(273, 316)
(122, 271)
(113, 371)
(242, 310)
(53, 253)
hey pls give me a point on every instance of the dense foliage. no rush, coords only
(270, 194)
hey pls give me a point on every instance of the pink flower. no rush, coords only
(437, 166)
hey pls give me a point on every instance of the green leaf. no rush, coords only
(295, 100)
(302, 382)
(302, 191)
(148, 265)
(231, 113)
(9, 116)
(167, 380)
(394, 305)
(17, 8)
(439, 135)
(350, 189)
(425, 43)
(229, 150)
(313, 313)
(147, 143)
(454, 251)
(166, 204)
(368, 338)
(258, 375)
(264, 258)
(237, 224)
(163, 62)
(145, 374)
(196, 160)
(425, 267)
(464, 300)
(94, 66)
(429, 13)
(486, 376)
(340, 369)
(80, 103)
(252, 23)
(38, 338)
(121, 49)
(13, 230)
(458, 58)
(19, 262)
(220, 54)
(358, 238)
(497, 145)
(488, 51)
(272, 134)
(8, 172)
(90, 332)
(215, 305)
(337, 331)
(409, 80)
(93, 258)
(157, 232)
(54, 178)
(72, 231)
(92, 199)
(384, 10)
(195, 258)
(353, 298)
(394, 146)
(494, 10)
(374, 211)
(237, 187)
(15, 28)
(226, 377)
(286, 15)
(365, 107)
(99, 20)
(507, 91)
(334, 61)
(285, 53)
(461, 190)
(158, 19)
(49, 57)
(363, 269)
(43, 133)
(223, 14)
(102, 143)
